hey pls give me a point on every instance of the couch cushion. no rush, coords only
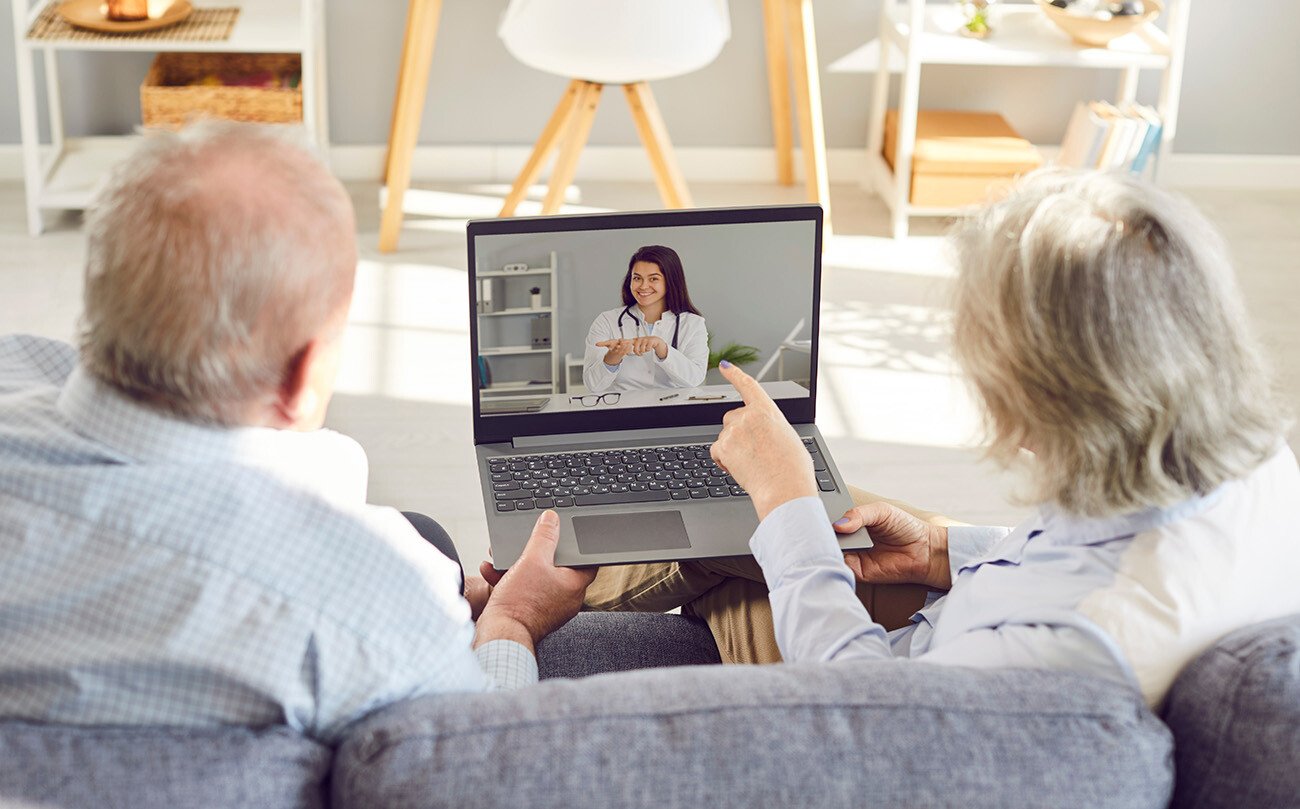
(829, 735)
(141, 768)
(602, 642)
(1235, 714)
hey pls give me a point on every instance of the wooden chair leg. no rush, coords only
(409, 37)
(808, 94)
(412, 86)
(654, 136)
(566, 165)
(547, 142)
(778, 86)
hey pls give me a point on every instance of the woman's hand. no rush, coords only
(617, 350)
(759, 448)
(907, 550)
(643, 345)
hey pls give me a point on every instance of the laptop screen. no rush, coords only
(618, 321)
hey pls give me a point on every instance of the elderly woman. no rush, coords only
(1099, 323)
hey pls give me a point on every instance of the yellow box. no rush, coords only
(961, 158)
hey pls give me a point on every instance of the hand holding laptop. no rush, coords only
(759, 448)
(534, 597)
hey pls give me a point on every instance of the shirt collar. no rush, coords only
(664, 318)
(1060, 527)
(144, 433)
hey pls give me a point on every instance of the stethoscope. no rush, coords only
(627, 310)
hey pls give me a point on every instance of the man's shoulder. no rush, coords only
(27, 360)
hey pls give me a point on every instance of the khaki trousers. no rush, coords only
(729, 594)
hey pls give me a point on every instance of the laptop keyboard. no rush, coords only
(616, 476)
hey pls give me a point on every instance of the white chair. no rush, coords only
(598, 42)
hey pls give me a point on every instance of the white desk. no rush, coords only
(657, 397)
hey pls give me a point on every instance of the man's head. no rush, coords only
(219, 271)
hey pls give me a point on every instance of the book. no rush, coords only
(1151, 140)
(1083, 136)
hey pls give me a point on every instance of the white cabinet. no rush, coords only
(508, 331)
(63, 174)
(1023, 37)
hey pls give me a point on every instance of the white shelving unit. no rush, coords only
(1023, 37)
(63, 174)
(511, 386)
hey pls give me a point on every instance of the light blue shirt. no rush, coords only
(1129, 598)
(156, 571)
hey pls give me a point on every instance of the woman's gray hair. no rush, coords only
(1099, 320)
(214, 255)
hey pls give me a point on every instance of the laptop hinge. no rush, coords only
(703, 432)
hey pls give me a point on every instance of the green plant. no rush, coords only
(734, 353)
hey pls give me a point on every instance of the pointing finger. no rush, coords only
(546, 535)
(750, 391)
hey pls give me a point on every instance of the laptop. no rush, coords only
(618, 443)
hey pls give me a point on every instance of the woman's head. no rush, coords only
(1099, 320)
(654, 274)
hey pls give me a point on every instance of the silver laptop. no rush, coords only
(616, 437)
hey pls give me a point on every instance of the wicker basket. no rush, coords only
(168, 100)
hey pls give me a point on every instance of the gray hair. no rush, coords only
(1099, 321)
(214, 255)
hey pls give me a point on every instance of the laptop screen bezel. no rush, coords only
(492, 429)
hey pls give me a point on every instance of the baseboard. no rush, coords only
(722, 164)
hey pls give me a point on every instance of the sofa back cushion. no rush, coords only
(143, 768)
(830, 735)
(1235, 714)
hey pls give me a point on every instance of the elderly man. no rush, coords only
(180, 542)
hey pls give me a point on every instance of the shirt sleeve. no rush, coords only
(596, 375)
(815, 608)
(1060, 647)
(507, 664)
(967, 543)
(687, 365)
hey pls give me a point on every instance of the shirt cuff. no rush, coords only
(613, 369)
(797, 532)
(969, 543)
(508, 665)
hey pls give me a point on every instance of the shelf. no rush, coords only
(496, 352)
(508, 312)
(882, 178)
(499, 274)
(264, 26)
(76, 172)
(1023, 36)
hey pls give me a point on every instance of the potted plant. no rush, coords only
(734, 353)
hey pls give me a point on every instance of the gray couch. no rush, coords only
(874, 734)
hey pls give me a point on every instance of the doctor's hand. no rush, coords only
(534, 597)
(908, 550)
(759, 448)
(617, 350)
(643, 345)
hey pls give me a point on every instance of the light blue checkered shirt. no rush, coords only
(156, 571)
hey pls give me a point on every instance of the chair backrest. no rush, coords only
(616, 41)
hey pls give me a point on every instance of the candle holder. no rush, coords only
(128, 10)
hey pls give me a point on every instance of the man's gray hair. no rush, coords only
(214, 254)
(1098, 318)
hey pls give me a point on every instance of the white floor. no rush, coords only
(897, 418)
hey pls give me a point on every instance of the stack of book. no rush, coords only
(1103, 136)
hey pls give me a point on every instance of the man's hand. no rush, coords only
(617, 350)
(759, 448)
(533, 598)
(907, 550)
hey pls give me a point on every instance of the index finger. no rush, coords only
(747, 386)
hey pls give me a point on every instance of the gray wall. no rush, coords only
(1240, 92)
(752, 282)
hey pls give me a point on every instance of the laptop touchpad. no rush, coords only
(622, 533)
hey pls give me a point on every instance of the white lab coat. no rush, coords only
(684, 367)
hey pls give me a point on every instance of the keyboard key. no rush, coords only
(719, 491)
(657, 486)
(736, 491)
(545, 502)
(506, 505)
(678, 484)
(612, 498)
(564, 502)
(699, 494)
(515, 495)
(638, 486)
(681, 495)
(819, 463)
(506, 486)
(523, 505)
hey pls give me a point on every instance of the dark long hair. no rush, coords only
(676, 298)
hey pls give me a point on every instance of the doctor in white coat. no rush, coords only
(657, 339)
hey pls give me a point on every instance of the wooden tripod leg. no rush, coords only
(566, 165)
(546, 143)
(808, 93)
(654, 136)
(412, 86)
(778, 86)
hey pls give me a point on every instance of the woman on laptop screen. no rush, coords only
(657, 338)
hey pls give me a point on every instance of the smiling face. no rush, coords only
(648, 286)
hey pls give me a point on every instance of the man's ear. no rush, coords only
(296, 399)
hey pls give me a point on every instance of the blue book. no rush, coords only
(1155, 128)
